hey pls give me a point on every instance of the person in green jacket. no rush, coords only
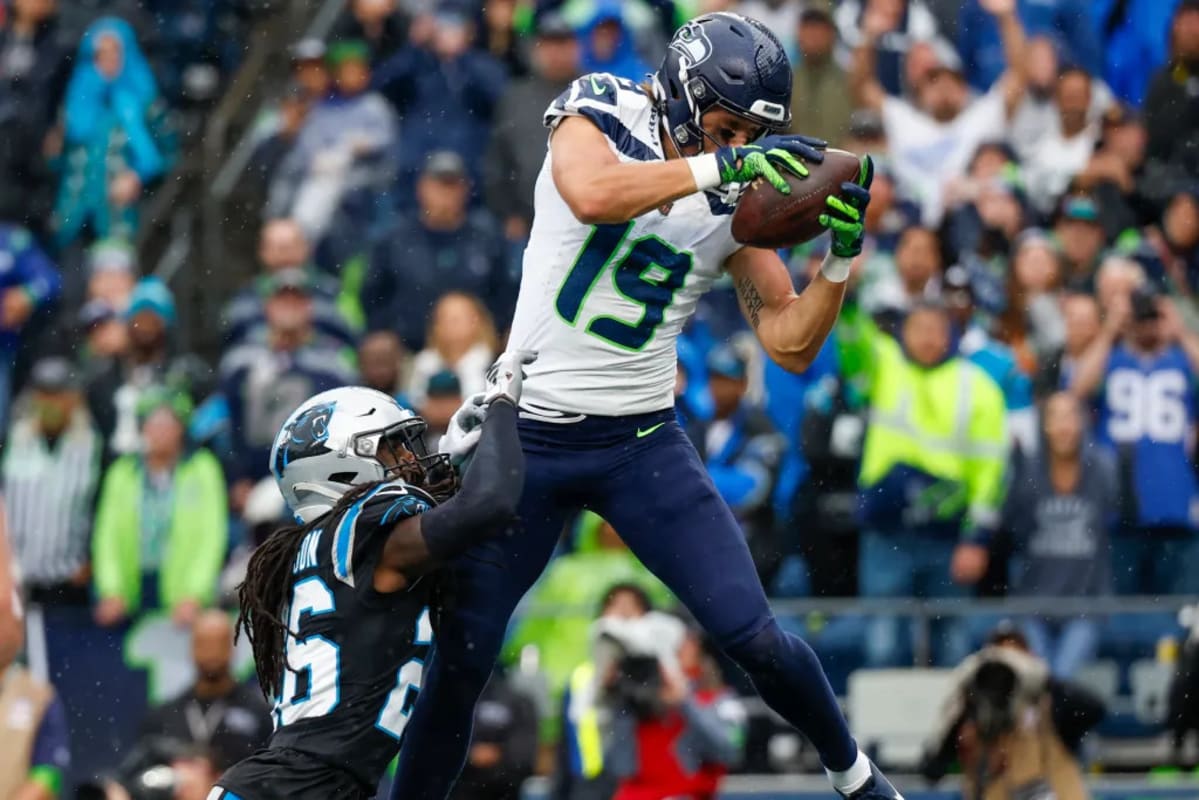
(932, 475)
(161, 521)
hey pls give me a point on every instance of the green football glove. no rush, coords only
(846, 212)
(763, 159)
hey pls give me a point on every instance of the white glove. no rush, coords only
(506, 376)
(465, 428)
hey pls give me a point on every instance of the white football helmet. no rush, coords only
(332, 442)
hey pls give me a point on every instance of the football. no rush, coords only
(768, 218)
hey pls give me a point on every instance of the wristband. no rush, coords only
(705, 171)
(836, 269)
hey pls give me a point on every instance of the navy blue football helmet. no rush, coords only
(725, 60)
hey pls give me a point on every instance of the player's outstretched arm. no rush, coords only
(490, 490)
(599, 188)
(793, 327)
(487, 501)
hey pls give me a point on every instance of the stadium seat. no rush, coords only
(1102, 677)
(893, 711)
(1150, 682)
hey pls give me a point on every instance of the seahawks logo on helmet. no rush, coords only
(692, 44)
(304, 436)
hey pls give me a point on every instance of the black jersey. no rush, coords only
(357, 657)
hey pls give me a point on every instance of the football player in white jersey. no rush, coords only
(633, 213)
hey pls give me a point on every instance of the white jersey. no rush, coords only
(603, 304)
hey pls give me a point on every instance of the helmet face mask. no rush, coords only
(721, 131)
(401, 453)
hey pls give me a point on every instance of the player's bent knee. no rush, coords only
(769, 649)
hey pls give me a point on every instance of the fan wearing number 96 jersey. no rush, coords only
(341, 609)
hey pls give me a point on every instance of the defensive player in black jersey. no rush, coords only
(340, 609)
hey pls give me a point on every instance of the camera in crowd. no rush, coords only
(631, 654)
(992, 700)
(638, 686)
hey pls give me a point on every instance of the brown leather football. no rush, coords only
(765, 217)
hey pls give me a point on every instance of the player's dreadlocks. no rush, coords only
(263, 593)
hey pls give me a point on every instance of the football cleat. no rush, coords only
(876, 788)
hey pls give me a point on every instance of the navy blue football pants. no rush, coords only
(655, 492)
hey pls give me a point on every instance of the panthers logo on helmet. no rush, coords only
(303, 436)
(692, 43)
(311, 427)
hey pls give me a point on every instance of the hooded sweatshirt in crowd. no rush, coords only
(1061, 540)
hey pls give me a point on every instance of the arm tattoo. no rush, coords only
(752, 300)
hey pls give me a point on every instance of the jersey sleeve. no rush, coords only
(363, 528)
(612, 104)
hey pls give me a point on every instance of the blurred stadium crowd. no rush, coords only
(1022, 327)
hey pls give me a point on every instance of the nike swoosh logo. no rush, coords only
(598, 88)
(642, 433)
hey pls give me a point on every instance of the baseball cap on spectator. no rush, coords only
(111, 255)
(156, 397)
(552, 25)
(993, 151)
(349, 50)
(151, 294)
(95, 312)
(1033, 236)
(54, 375)
(1079, 207)
(724, 361)
(293, 279)
(445, 165)
(443, 384)
(308, 49)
